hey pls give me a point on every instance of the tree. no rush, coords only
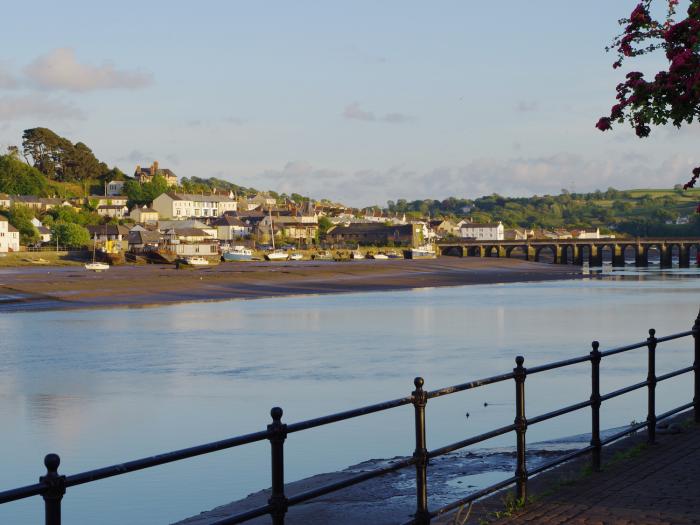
(17, 178)
(69, 234)
(674, 93)
(21, 218)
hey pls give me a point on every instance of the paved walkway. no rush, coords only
(660, 486)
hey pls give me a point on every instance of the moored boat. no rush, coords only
(421, 252)
(393, 255)
(277, 255)
(322, 256)
(378, 256)
(296, 257)
(238, 253)
(196, 260)
(356, 255)
(97, 266)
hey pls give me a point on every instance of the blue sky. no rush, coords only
(358, 101)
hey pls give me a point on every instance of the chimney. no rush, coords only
(138, 168)
(155, 167)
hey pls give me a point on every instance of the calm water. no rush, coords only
(101, 387)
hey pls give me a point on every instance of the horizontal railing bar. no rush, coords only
(348, 414)
(675, 411)
(621, 349)
(472, 497)
(22, 492)
(558, 364)
(349, 482)
(244, 516)
(471, 384)
(160, 459)
(470, 441)
(625, 390)
(629, 430)
(559, 412)
(674, 336)
(675, 373)
(560, 460)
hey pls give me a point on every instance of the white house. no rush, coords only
(5, 200)
(589, 233)
(488, 231)
(112, 211)
(185, 205)
(115, 187)
(192, 223)
(229, 227)
(9, 237)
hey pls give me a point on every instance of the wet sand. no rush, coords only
(56, 288)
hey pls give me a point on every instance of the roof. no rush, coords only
(11, 228)
(369, 227)
(43, 230)
(143, 237)
(199, 198)
(160, 171)
(107, 229)
(191, 232)
(188, 223)
(481, 225)
(229, 220)
(111, 207)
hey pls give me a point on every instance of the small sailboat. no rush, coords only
(421, 252)
(275, 255)
(96, 266)
(196, 261)
(378, 256)
(296, 257)
(357, 254)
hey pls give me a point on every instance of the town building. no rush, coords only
(39, 203)
(9, 237)
(483, 231)
(5, 201)
(146, 174)
(298, 229)
(589, 233)
(229, 227)
(144, 215)
(113, 211)
(107, 200)
(185, 205)
(44, 234)
(115, 187)
(363, 233)
(190, 223)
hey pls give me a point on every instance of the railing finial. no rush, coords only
(52, 462)
(519, 361)
(276, 414)
(419, 382)
(652, 332)
(595, 345)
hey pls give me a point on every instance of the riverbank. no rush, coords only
(56, 288)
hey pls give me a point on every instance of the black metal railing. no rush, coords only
(52, 486)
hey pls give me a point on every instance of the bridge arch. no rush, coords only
(517, 251)
(548, 252)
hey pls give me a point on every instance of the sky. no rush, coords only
(360, 102)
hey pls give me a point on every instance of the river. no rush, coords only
(105, 386)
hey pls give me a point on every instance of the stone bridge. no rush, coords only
(579, 251)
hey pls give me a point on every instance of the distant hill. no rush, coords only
(633, 212)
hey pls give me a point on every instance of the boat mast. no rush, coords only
(272, 231)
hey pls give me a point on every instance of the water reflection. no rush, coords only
(106, 386)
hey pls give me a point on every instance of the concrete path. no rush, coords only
(659, 486)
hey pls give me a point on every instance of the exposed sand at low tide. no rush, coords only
(55, 288)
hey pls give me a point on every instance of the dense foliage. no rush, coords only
(69, 234)
(21, 218)
(58, 158)
(635, 212)
(673, 95)
(143, 194)
(17, 178)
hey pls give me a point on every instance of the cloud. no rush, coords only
(521, 176)
(353, 111)
(136, 156)
(60, 70)
(37, 106)
(236, 121)
(7, 79)
(525, 106)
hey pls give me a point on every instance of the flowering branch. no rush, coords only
(674, 93)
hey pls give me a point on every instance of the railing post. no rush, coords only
(520, 428)
(420, 399)
(56, 488)
(278, 433)
(595, 406)
(651, 384)
(696, 367)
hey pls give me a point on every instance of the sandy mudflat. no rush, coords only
(52, 288)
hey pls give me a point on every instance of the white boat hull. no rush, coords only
(97, 267)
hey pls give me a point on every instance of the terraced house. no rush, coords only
(186, 205)
(9, 237)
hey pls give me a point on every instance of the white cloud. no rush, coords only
(37, 106)
(60, 70)
(510, 177)
(7, 79)
(353, 111)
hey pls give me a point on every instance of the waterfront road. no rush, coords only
(658, 485)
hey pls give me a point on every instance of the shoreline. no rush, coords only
(45, 288)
